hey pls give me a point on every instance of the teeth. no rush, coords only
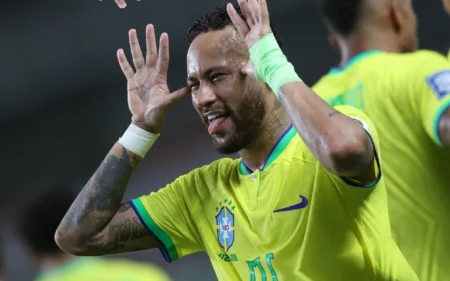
(214, 116)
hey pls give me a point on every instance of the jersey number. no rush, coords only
(256, 263)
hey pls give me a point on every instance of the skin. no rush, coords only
(220, 78)
(446, 4)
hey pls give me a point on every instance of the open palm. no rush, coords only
(256, 24)
(149, 98)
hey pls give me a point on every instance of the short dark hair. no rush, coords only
(217, 19)
(38, 220)
(341, 16)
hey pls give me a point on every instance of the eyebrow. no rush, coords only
(207, 73)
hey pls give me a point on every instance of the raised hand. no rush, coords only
(149, 98)
(257, 23)
(121, 3)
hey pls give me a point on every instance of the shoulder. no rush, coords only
(215, 170)
(418, 62)
(206, 178)
(134, 269)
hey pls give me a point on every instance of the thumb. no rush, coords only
(179, 94)
(248, 69)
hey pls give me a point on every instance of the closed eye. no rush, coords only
(216, 76)
(193, 87)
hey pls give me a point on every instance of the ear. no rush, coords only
(332, 39)
(396, 15)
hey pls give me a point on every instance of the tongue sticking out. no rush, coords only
(216, 124)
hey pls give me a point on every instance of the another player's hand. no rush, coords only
(257, 23)
(149, 98)
(446, 5)
(121, 3)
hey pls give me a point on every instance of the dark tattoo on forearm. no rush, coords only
(99, 201)
(334, 113)
(124, 207)
(129, 230)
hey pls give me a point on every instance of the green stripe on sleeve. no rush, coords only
(170, 251)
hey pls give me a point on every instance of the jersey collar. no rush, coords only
(352, 61)
(276, 150)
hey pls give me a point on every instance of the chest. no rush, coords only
(263, 210)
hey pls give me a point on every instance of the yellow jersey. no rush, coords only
(405, 95)
(291, 220)
(95, 269)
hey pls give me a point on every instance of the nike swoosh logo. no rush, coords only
(298, 206)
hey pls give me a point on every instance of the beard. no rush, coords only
(247, 120)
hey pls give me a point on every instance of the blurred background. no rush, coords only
(63, 98)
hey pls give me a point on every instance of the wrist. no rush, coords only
(271, 65)
(138, 140)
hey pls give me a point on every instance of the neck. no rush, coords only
(367, 40)
(49, 262)
(273, 127)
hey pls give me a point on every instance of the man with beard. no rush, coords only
(305, 201)
(406, 93)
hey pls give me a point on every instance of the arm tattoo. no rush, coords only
(99, 201)
(333, 113)
(117, 235)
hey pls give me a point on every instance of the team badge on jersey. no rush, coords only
(361, 123)
(225, 224)
(440, 83)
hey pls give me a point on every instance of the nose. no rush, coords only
(205, 96)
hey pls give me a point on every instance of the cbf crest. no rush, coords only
(225, 224)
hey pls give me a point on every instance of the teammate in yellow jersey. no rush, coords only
(407, 95)
(305, 201)
(36, 228)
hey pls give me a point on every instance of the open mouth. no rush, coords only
(216, 122)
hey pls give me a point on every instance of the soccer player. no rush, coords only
(305, 200)
(37, 226)
(406, 94)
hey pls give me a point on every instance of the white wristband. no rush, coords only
(137, 140)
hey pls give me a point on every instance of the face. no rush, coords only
(231, 104)
(406, 23)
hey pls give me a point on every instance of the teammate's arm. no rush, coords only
(444, 128)
(429, 93)
(337, 141)
(98, 223)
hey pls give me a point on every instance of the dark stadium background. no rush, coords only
(63, 97)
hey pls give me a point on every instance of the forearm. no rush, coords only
(100, 199)
(337, 141)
